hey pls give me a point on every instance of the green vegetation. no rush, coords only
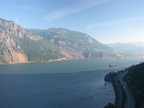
(109, 106)
(38, 50)
(120, 95)
(78, 42)
(48, 44)
(72, 39)
(2, 60)
(110, 76)
(135, 80)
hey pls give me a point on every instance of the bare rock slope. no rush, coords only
(19, 45)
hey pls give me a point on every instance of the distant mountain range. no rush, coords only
(132, 49)
(18, 45)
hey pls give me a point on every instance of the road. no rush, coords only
(129, 103)
(119, 95)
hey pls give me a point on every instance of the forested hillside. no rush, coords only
(135, 80)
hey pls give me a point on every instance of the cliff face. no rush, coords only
(18, 45)
(7, 44)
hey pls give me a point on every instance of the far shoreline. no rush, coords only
(65, 59)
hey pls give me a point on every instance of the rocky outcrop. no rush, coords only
(18, 45)
(12, 28)
(8, 54)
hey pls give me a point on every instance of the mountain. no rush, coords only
(18, 45)
(133, 49)
(75, 45)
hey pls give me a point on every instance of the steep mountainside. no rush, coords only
(19, 45)
(77, 45)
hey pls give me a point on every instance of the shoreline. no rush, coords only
(63, 59)
(123, 96)
(55, 60)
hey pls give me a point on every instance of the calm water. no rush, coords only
(63, 84)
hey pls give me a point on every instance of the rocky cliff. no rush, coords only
(7, 44)
(75, 44)
(18, 45)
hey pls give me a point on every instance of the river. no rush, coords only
(62, 84)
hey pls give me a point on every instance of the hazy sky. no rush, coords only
(108, 21)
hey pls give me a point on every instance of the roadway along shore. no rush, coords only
(123, 95)
(129, 101)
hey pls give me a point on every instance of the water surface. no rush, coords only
(63, 84)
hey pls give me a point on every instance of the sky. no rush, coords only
(107, 21)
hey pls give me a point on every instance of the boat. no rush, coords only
(112, 65)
